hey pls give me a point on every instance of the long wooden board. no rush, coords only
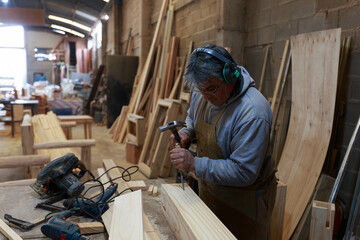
(188, 215)
(8, 232)
(315, 59)
(127, 218)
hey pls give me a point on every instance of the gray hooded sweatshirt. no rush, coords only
(242, 134)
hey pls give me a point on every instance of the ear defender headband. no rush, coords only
(230, 72)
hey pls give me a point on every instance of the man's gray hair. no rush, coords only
(202, 66)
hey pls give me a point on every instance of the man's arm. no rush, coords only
(248, 149)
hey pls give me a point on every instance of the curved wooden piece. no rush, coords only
(315, 58)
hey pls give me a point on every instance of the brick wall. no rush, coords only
(272, 22)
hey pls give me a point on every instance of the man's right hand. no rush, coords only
(185, 139)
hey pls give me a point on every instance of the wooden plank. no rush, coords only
(24, 160)
(322, 221)
(315, 59)
(107, 216)
(115, 174)
(277, 217)
(25, 182)
(149, 231)
(90, 227)
(264, 68)
(8, 232)
(150, 190)
(146, 70)
(104, 178)
(279, 76)
(127, 217)
(188, 215)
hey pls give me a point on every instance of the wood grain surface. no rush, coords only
(315, 59)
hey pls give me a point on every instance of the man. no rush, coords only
(231, 122)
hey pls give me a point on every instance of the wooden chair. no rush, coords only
(44, 135)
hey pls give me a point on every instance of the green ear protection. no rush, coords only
(230, 72)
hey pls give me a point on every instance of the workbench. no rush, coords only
(19, 201)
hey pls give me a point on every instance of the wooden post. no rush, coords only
(27, 142)
(322, 221)
(277, 217)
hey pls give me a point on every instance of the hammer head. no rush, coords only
(172, 126)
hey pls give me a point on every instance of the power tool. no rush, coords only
(57, 228)
(92, 207)
(60, 176)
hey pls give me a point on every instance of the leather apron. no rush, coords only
(246, 212)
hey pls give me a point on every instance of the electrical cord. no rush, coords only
(96, 201)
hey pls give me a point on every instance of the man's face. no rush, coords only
(216, 91)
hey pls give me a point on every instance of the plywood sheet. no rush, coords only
(315, 58)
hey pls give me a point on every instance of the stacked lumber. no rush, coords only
(157, 97)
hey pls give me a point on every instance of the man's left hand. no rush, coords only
(182, 159)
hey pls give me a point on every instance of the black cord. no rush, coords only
(97, 202)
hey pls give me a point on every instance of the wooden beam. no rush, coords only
(66, 144)
(127, 217)
(8, 232)
(322, 221)
(22, 16)
(90, 227)
(24, 160)
(279, 75)
(277, 217)
(188, 215)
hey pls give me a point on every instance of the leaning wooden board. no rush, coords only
(315, 59)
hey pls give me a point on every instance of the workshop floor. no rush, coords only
(105, 149)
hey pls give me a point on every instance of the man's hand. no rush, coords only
(182, 159)
(185, 139)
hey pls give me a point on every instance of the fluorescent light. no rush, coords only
(59, 31)
(68, 21)
(67, 30)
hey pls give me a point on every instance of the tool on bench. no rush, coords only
(23, 225)
(61, 175)
(172, 126)
(57, 228)
(92, 207)
(47, 204)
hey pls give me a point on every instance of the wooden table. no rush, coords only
(19, 201)
(79, 119)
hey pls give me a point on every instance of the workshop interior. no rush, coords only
(179, 119)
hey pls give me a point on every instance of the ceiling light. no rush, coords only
(59, 31)
(67, 30)
(106, 0)
(68, 21)
(105, 17)
(6, 1)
